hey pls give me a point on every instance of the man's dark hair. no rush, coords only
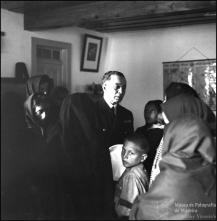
(177, 88)
(108, 75)
(139, 140)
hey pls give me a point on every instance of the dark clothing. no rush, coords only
(113, 129)
(87, 170)
(153, 135)
(32, 87)
(186, 185)
(31, 184)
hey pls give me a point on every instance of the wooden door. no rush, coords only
(52, 58)
(49, 62)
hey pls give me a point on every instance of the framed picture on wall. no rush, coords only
(91, 53)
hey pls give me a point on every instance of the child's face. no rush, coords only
(132, 154)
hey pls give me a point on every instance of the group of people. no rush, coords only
(169, 162)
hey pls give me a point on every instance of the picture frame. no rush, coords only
(91, 53)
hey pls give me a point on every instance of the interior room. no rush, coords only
(137, 38)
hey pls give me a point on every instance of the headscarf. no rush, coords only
(33, 84)
(186, 104)
(188, 143)
(44, 117)
(186, 186)
(177, 88)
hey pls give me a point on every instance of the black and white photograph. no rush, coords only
(108, 110)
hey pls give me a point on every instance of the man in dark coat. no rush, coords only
(115, 121)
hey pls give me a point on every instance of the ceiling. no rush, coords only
(112, 16)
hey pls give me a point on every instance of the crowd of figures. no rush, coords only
(64, 168)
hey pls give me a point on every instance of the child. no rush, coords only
(152, 130)
(134, 180)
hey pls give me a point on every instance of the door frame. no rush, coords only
(65, 47)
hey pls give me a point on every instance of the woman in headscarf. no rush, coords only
(174, 108)
(39, 84)
(186, 185)
(41, 113)
(176, 88)
(36, 192)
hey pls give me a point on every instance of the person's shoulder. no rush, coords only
(124, 110)
(141, 130)
(137, 171)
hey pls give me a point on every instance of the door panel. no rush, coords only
(52, 58)
(53, 70)
(49, 62)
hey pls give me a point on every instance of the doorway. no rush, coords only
(52, 58)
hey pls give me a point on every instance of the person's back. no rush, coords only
(134, 180)
(186, 185)
(180, 98)
(152, 130)
(87, 168)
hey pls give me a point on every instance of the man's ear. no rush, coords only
(143, 157)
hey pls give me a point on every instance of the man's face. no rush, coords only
(114, 89)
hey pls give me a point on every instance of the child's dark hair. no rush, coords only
(139, 140)
(150, 107)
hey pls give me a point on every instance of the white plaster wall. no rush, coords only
(16, 47)
(139, 55)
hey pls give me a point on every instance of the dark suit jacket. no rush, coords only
(113, 130)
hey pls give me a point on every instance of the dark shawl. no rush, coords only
(87, 168)
(186, 185)
(31, 185)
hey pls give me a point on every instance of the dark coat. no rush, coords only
(113, 129)
(186, 185)
(87, 171)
